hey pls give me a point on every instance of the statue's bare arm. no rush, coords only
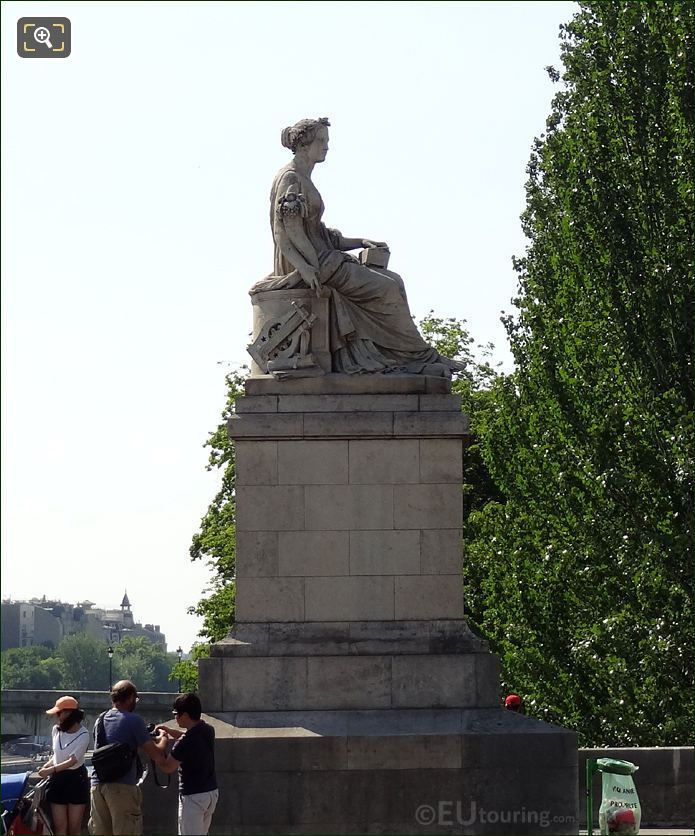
(358, 243)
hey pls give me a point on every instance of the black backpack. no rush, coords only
(111, 761)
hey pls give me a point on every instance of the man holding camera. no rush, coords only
(193, 754)
(116, 804)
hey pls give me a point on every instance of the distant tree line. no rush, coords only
(81, 663)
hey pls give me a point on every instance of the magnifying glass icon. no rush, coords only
(43, 36)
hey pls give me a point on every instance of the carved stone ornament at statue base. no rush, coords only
(290, 334)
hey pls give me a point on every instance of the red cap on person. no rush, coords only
(63, 704)
(512, 701)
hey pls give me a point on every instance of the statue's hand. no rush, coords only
(311, 278)
(367, 243)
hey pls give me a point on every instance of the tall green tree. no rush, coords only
(144, 662)
(85, 661)
(474, 384)
(215, 540)
(31, 668)
(582, 578)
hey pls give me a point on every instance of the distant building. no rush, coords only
(38, 621)
(24, 624)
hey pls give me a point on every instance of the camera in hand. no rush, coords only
(150, 728)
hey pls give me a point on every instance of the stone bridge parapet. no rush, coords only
(24, 712)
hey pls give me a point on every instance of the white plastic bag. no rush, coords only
(620, 811)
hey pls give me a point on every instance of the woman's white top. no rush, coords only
(70, 743)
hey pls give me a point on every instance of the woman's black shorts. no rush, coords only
(71, 786)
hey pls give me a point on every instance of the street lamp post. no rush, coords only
(109, 650)
(179, 653)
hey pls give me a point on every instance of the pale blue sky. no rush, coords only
(136, 176)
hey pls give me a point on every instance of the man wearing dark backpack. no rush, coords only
(116, 803)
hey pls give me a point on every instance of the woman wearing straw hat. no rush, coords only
(68, 788)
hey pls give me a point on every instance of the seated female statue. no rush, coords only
(370, 328)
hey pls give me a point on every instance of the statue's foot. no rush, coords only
(437, 370)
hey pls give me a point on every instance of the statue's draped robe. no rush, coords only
(370, 329)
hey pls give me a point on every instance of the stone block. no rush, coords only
(365, 598)
(257, 403)
(388, 800)
(306, 638)
(322, 804)
(347, 507)
(313, 462)
(411, 751)
(440, 403)
(526, 799)
(384, 552)
(430, 424)
(159, 807)
(419, 721)
(441, 461)
(427, 506)
(287, 754)
(259, 799)
(266, 425)
(387, 637)
(244, 639)
(256, 462)
(227, 816)
(314, 553)
(270, 599)
(441, 551)
(210, 679)
(526, 741)
(256, 554)
(270, 508)
(487, 676)
(265, 683)
(384, 462)
(348, 384)
(349, 682)
(428, 597)
(349, 638)
(434, 681)
(348, 403)
(348, 424)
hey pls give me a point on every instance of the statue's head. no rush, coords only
(303, 133)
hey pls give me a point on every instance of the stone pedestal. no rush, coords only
(351, 696)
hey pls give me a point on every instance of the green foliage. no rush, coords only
(80, 663)
(186, 671)
(30, 668)
(215, 541)
(145, 663)
(85, 661)
(582, 579)
(451, 338)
